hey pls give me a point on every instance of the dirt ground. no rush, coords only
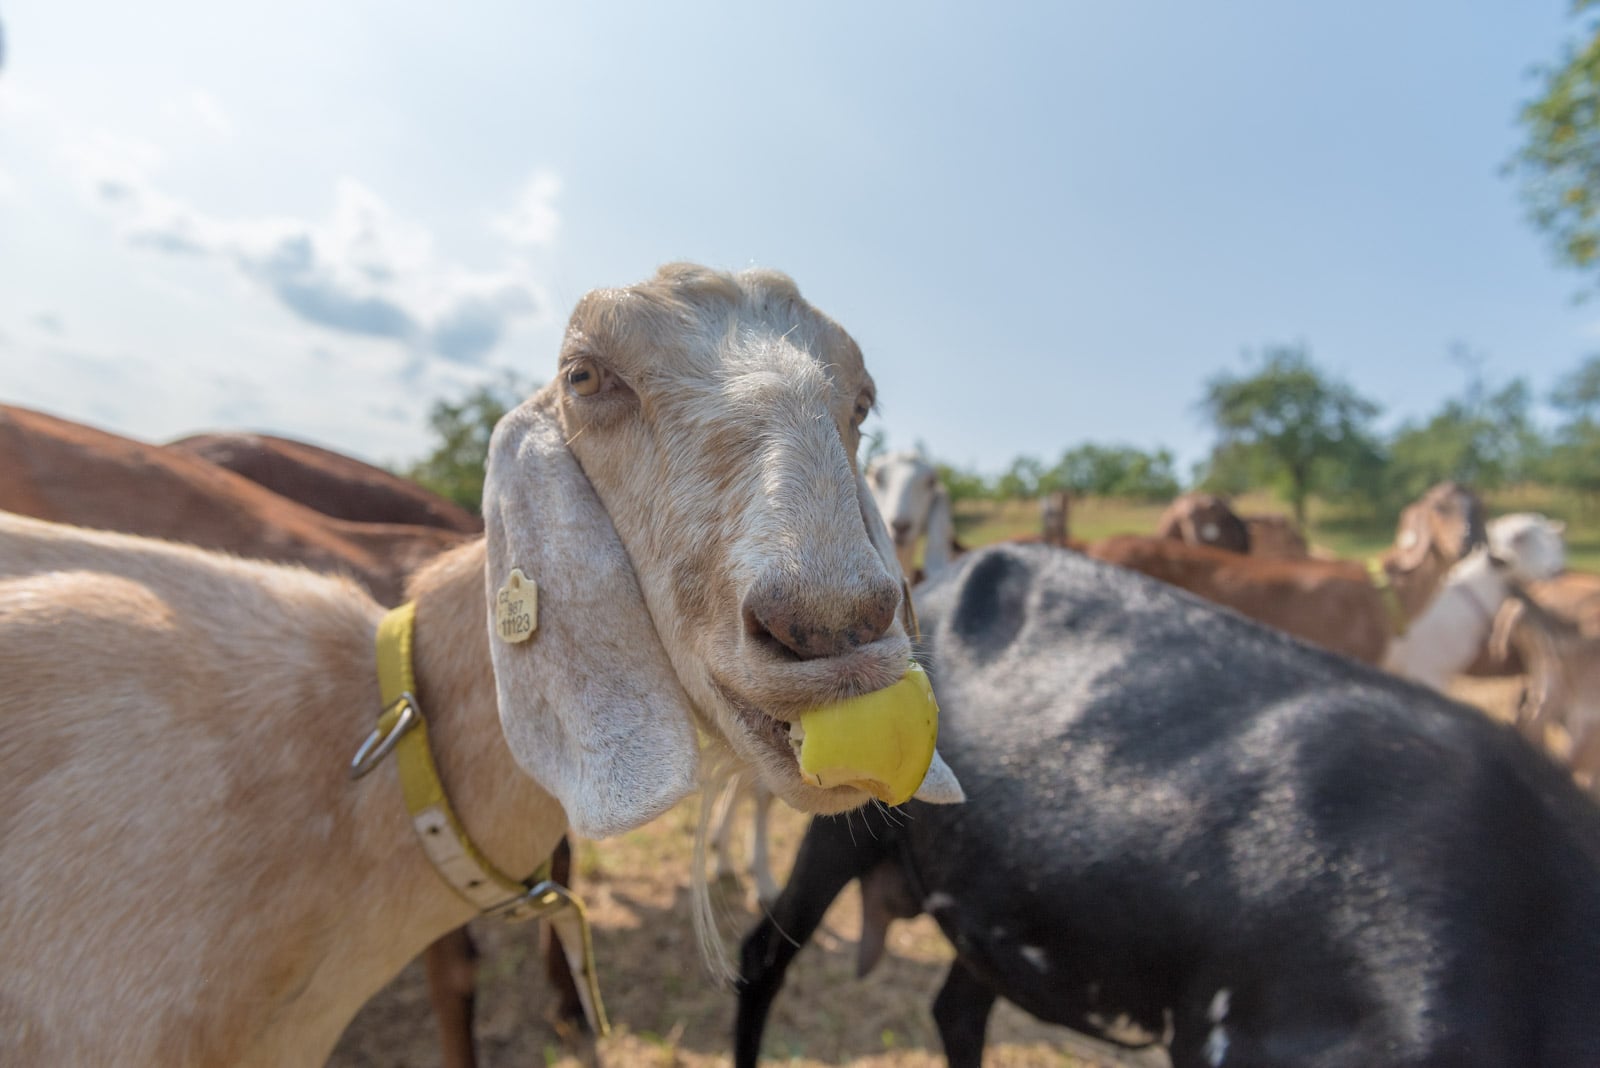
(666, 1010)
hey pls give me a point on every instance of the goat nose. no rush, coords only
(813, 625)
(901, 529)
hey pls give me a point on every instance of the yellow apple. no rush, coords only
(881, 742)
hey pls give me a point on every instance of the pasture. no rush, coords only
(665, 1008)
(979, 522)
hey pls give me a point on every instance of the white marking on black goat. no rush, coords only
(938, 900)
(1034, 955)
(1216, 1047)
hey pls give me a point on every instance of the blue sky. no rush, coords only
(1045, 223)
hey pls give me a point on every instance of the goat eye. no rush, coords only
(584, 378)
(862, 410)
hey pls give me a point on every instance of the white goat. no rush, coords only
(188, 877)
(1450, 632)
(915, 505)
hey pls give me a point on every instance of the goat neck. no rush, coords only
(513, 820)
(389, 900)
(1416, 586)
(1451, 630)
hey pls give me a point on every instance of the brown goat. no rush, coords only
(1204, 519)
(1574, 596)
(1332, 603)
(328, 482)
(1276, 537)
(68, 473)
(1563, 683)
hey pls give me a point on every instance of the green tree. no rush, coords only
(1020, 480)
(1302, 429)
(1573, 460)
(1092, 470)
(961, 484)
(1559, 165)
(1485, 439)
(1230, 470)
(461, 429)
(1577, 393)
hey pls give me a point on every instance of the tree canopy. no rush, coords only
(462, 428)
(1284, 424)
(1559, 164)
(1485, 439)
(1573, 459)
(1291, 423)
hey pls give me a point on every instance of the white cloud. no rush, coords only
(49, 323)
(111, 164)
(533, 220)
(205, 107)
(365, 271)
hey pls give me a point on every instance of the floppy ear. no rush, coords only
(940, 786)
(936, 553)
(1414, 538)
(877, 529)
(1186, 527)
(589, 703)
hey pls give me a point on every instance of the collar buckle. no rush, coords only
(381, 742)
(537, 901)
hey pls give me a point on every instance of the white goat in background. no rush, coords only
(915, 506)
(1451, 631)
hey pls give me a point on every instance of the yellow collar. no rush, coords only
(402, 730)
(1398, 622)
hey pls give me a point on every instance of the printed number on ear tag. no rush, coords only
(516, 608)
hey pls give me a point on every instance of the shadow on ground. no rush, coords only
(665, 1007)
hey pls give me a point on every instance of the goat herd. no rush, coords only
(1242, 844)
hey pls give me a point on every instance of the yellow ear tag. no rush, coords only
(516, 608)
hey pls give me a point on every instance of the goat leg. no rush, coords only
(760, 848)
(451, 962)
(961, 1012)
(830, 856)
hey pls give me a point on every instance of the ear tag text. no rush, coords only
(516, 608)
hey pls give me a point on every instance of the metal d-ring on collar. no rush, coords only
(381, 742)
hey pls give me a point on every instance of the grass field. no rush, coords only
(981, 522)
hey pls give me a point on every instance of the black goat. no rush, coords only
(1185, 828)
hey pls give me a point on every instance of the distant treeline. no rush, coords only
(1282, 425)
(1288, 427)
